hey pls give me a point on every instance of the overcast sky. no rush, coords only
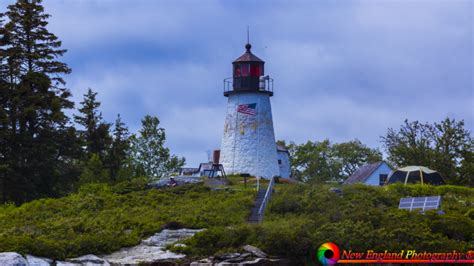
(342, 69)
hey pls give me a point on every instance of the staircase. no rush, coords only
(254, 217)
(263, 196)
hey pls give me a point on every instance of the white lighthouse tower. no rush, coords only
(248, 144)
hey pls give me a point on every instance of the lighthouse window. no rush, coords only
(256, 70)
(237, 71)
(244, 70)
(279, 161)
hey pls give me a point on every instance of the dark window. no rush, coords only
(279, 161)
(382, 179)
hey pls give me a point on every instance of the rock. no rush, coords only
(180, 245)
(255, 251)
(167, 236)
(12, 258)
(66, 263)
(89, 260)
(228, 256)
(180, 180)
(245, 255)
(203, 262)
(38, 261)
(151, 250)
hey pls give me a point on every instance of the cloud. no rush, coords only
(342, 70)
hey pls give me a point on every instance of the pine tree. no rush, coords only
(120, 148)
(39, 144)
(95, 136)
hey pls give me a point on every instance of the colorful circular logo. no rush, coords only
(328, 253)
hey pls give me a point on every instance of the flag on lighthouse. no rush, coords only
(248, 109)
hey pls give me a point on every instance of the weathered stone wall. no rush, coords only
(284, 158)
(248, 143)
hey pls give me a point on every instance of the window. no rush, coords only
(256, 70)
(279, 162)
(244, 70)
(382, 179)
(237, 71)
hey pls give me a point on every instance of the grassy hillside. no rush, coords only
(100, 219)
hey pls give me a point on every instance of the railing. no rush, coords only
(268, 85)
(266, 199)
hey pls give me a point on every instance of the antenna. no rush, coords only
(248, 34)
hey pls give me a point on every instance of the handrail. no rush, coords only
(268, 194)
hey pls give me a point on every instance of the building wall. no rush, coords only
(374, 178)
(284, 166)
(248, 143)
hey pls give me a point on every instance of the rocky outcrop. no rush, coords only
(180, 180)
(12, 258)
(150, 251)
(252, 256)
(255, 251)
(38, 261)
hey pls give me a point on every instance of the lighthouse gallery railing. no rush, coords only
(266, 199)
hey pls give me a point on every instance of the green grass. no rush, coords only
(101, 219)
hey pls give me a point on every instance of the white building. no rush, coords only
(248, 143)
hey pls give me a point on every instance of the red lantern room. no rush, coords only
(248, 75)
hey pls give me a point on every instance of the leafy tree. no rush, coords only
(446, 147)
(149, 154)
(120, 148)
(38, 143)
(352, 155)
(323, 161)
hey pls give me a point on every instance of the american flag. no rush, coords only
(248, 109)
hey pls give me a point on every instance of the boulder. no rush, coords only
(255, 251)
(38, 261)
(152, 249)
(90, 260)
(12, 258)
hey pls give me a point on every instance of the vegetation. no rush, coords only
(302, 217)
(101, 218)
(446, 147)
(321, 161)
(42, 153)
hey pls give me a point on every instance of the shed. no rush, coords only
(374, 174)
(283, 161)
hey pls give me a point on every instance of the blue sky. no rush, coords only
(342, 69)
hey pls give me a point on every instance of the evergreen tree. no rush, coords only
(38, 144)
(120, 148)
(95, 136)
(149, 154)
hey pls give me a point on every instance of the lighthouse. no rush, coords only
(248, 143)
